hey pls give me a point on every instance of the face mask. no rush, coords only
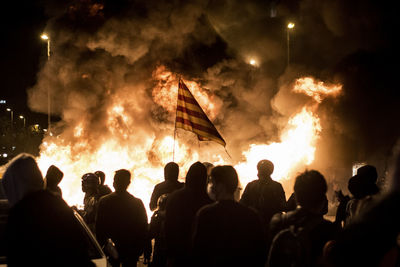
(210, 191)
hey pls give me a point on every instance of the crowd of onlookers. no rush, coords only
(202, 222)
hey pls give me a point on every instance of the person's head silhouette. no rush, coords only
(122, 179)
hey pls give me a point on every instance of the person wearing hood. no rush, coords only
(41, 226)
(53, 177)
(181, 209)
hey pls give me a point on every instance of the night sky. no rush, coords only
(22, 54)
(351, 42)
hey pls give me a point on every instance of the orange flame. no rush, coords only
(146, 155)
(296, 149)
(317, 90)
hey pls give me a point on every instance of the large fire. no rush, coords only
(294, 151)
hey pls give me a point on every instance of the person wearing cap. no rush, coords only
(264, 195)
(363, 187)
(103, 189)
(90, 185)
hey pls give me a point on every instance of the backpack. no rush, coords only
(292, 246)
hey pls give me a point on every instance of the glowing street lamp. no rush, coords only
(45, 37)
(290, 26)
(253, 62)
(12, 116)
(23, 118)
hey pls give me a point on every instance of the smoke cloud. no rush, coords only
(105, 53)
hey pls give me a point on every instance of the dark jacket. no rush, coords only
(122, 217)
(182, 206)
(228, 234)
(42, 230)
(371, 235)
(157, 232)
(104, 190)
(266, 196)
(165, 187)
(319, 231)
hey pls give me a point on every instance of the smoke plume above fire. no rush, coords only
(113, 78)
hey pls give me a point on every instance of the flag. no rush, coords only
(191, 117)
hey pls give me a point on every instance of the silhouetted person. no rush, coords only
(157, 232)
(122, 217)
(103, 189)
(53, 177)
(227, 233)
(371, 238)
(171, 172)
(41, 228)
(362, 186)
(265, 195)
(181, 209)
(90, 185)
(306, 223)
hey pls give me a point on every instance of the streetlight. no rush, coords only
(290, 26)
(45, 37)
(12, 116)
(22, 118)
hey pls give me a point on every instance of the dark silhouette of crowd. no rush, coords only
(201, 222)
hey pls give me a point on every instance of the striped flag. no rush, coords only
(191, 117)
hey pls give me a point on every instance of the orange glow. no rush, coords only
(145, 152)
(296, 149)
(317, 90)
(109, 157)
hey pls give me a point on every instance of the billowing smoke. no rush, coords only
(102, 75)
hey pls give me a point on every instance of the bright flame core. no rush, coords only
(296, 149)
(145, 154)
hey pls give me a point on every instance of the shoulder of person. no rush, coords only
(206, 213)
(253, 184)
(250, 212)
(160, 184)
(107, 197)
(176, 195)
(276, 183)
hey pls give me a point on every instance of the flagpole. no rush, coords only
(176, 112)
(228, 153)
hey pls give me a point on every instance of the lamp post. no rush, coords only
(22, 118)
(290, 26)
(45, 37)
(12, 116)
